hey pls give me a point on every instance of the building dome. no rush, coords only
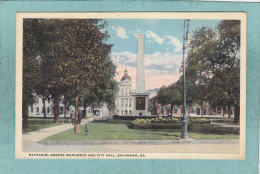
(126, 76)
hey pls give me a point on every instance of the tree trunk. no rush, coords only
(154, 107)
(44, 107)
(84, 111)
(229, 111)
(237, 114)
(65, 112)
(171, 111)
(223, 111)
(93, 109)
(201, 109)
(65, 109)
(25, 117)
(56, 108)
(76, 124)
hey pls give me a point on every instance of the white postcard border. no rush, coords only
(130, 15)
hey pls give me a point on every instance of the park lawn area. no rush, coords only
(39, 123)
(102, 131)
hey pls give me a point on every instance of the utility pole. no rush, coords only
(184, 130)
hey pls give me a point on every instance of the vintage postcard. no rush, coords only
(140, 85)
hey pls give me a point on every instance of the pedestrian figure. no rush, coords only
(79, 120)
(72, 115)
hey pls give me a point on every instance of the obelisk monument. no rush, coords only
(140, 78)
(140, 97)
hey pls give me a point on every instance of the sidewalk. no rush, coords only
(38, 135)
(224, 125)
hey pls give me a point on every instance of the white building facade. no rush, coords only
(37, 109)
(124, 100)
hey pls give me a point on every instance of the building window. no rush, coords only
(130, 102)
(175, 109)
(42, 109)
(204, 111)
(198, 111)
(37, 110)
(122, 102)
(126, 102)
(140, 103)
(219, 110)
(48, 110)
(31, 109)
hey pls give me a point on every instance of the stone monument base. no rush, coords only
(140, 104)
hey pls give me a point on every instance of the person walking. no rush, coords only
(80, 116)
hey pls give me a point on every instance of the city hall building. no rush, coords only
(124, 100)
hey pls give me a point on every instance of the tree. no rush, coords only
(31, 70)
(229, 31)
(201, 64)
(102, 93)
(170, 95)
(213, 62)
(40, 39)
(74, 54)
(80, 56)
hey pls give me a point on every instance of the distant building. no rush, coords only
(194, 110)
(37, 109)
(124, 100)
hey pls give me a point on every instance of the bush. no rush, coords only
(165, 123)
(199, 121)
(156, 123)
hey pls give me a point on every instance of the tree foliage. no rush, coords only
(73, 55)
(213, 68)
(213, 62)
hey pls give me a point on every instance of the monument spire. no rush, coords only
(140, 96)
(140, 78)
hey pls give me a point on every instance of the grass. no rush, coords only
(40, 123)
(103, 131)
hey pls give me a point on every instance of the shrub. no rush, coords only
(199, 121)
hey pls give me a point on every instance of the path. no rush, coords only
(225, 125)
(38, 135)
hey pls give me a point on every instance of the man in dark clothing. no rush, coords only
(80, 116)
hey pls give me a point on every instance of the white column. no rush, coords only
(140, 79)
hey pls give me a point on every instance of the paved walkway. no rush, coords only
(225, 125)
(38, 135)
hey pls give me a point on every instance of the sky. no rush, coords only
(162, 47)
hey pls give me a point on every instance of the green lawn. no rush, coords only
(103, 131)
(39, 123)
